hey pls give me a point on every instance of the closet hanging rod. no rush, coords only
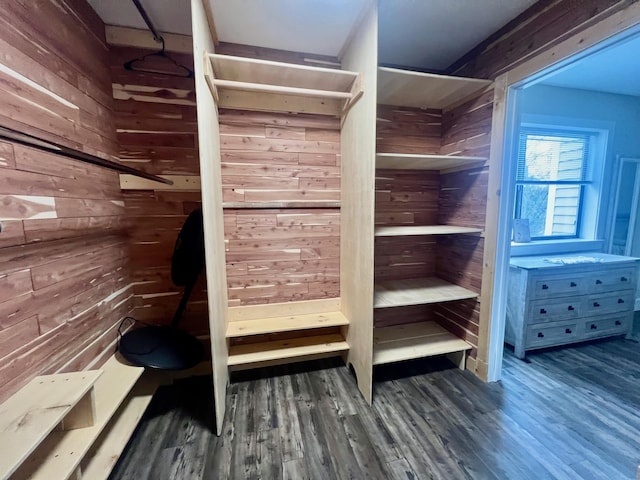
(52, 147)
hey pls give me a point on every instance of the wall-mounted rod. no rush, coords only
(147, 20)
(51, 147)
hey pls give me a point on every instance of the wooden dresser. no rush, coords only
(552, 303)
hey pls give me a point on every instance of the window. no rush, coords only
(551, 175)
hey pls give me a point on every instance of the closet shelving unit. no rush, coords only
(247, 83)
(415, 340)
(254, 332)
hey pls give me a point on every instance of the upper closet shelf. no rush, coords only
(251, 84)
(424, 90)
(413, 161)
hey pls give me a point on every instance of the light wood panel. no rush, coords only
(32, 413)
(424, 90)
(255, 84)
(209, 147)
(270, 353)
(357, 213)
(61, 453)
(180, 182)
(285, 324)
(100, 460)
(407, 161)
(424, 230)
(415, 340)
(273, 310)
(416, 291)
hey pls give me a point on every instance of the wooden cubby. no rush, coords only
(416, 337)
(257, 333)
(376, 156)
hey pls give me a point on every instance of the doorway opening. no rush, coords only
(566, 151)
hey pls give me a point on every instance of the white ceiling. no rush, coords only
(614, 70)
(171, 16)
(433, 34)
(310, 26)
(427, 34)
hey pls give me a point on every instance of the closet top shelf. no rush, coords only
(404, 88)
(252, 84)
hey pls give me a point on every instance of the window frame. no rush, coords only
(590, 137)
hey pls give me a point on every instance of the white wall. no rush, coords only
(619, 115)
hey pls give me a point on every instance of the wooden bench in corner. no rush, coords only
(72, 425)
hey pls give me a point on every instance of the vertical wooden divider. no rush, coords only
(358, 149)
(210, 171)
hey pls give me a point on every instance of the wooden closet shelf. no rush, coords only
(272, 353)
(62, 451)
(443, 163)
(287, 204)
(289, 323)
(247, 83)
(424, 230)
(418, 291)
(414, 340)
(405, 88)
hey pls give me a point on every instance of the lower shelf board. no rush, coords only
(408, 230)
(418, 291)
(272, 353)
(241, 328)
(104, 454)
(414, 340)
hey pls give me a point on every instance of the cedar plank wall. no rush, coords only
(156, 125)
(63, 249)
(280, 255)
(467, 130)
(273, 255)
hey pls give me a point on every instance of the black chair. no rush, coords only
(168, 347)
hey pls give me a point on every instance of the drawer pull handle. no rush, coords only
(620, 300)
(594, 326)
(618, 323)
(568, 330)
(624, 279)
(542, 311)
(540, 334)
(598, 282)
(545, 286)
(570, 308)
(573, 284)
(596, 304)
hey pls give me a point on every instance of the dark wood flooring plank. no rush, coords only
(571, 413)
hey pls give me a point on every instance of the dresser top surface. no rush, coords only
(592, 259)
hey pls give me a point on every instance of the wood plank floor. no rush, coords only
(571, 413)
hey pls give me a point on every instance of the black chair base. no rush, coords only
(161, 347)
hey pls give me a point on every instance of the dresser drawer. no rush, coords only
(610, 280)
(558, 285)
(610, 302)
(551, 334)
(605, 326)
(555, 309)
